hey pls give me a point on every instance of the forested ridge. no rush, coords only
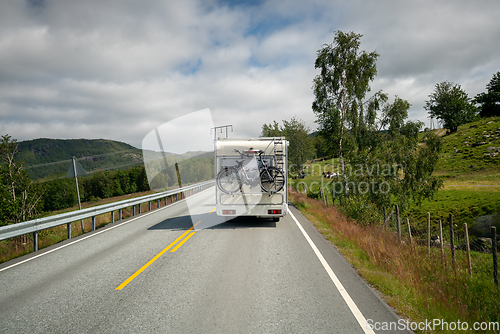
(113, 168)
(46, 157)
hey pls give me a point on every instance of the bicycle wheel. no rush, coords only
(272, 180)
(228, 180)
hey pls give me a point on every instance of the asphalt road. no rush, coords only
(156, 273)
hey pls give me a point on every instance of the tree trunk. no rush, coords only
(343, 111)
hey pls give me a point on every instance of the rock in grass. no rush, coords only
(481, 227)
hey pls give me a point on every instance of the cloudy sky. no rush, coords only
(119, 69)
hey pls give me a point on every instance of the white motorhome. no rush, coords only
(251, 177)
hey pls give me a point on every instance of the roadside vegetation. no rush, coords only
(419, 285)
(370, 158)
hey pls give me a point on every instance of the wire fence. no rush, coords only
(452, 240)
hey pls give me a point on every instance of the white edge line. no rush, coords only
(94, 234)
(352, 306)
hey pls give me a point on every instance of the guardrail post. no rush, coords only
(158, 203)
(112, 217)
(93, 223)
(140, 208)
(149, 205)
(176, 197)
(35, 241)
(133, 210)
(165, 199)
(120, 214)
(68, 231)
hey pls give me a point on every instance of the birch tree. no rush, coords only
(19, 199)
(341, 86)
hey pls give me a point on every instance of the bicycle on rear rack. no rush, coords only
(231, 179)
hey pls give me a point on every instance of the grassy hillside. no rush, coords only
(470, 167)
(48, 157)
(472, 153)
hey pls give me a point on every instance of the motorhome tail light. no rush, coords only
(274, 212)
(228, 212)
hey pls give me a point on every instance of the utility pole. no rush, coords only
(75, 169)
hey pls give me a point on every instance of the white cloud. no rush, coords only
(118, 69)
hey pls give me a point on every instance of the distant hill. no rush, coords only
(46, 157)
(49, 157)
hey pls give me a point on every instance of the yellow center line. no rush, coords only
(182, 242)
(124, 284)
(212, 210)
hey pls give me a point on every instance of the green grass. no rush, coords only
(464, 202)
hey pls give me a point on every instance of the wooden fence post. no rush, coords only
(409, 231)
(452, 243)
(494, 250)
(385, 217)
(441, 241)
(428, 233)
(466, 231)
(398, 222)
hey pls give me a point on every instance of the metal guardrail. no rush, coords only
(36, 225)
